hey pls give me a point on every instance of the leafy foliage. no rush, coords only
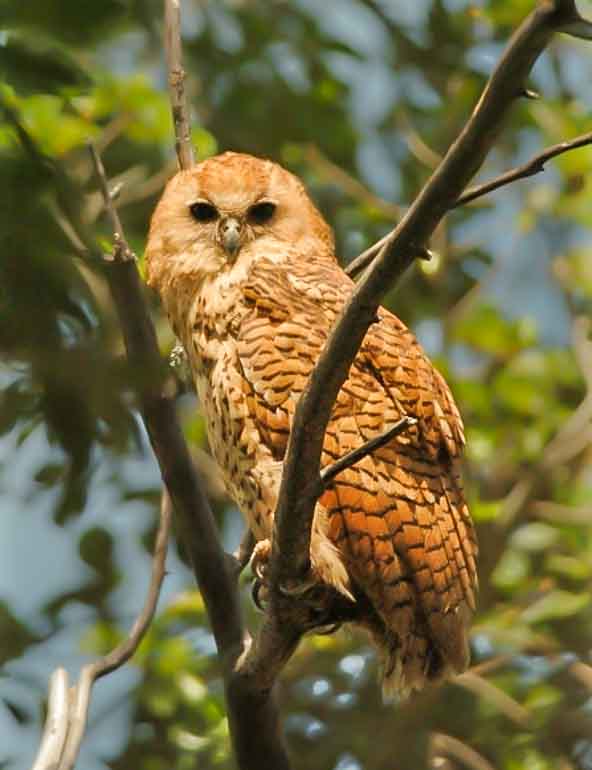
(358, 97)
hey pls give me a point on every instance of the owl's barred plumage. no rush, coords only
(250, 282)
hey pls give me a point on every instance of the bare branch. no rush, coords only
(362, 261)
(485, 689)
(532, 167)
(561, 514)
(56, 723)
(419, 149)
(176, 75)
(67, 712)
(349, 184)
(351, 458)
(253, 717)
(122, 250)
(297, 498)
(126, 649)
(447, 745)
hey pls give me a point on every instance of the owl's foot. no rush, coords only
(299, 589)
(260, 591)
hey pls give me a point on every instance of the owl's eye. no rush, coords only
(261, 213)
(203, 212)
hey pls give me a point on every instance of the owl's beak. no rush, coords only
(230, 232)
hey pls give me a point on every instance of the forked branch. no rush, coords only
(68, 707)
(534, 166)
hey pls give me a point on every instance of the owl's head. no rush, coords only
(231, 207)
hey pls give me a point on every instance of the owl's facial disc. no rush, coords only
(229, 235)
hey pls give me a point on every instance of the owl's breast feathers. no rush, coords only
(398, 517)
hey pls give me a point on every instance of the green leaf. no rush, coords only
(511, 570)
(556, 605)
(31, 66)
(534, 537)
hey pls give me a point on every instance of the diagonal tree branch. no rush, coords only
(351, 458)
(298, 492)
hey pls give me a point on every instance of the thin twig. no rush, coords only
(68, 712)
(348, 183)
(176, 77)
(422, 152)
(532, 167)
(447, 745)
(485, 689)
(351, 458)
(125, 649)
(362, 261)
(297, 497)
(122, 251)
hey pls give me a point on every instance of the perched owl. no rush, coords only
(246, 269)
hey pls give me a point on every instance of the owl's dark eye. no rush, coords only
(203, 212)
(261, 213)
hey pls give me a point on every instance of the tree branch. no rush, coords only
(56, 723)
(176, 79)
(68, 710)
(298, 491)
(253, 718)
(534, 166)
(351, 458)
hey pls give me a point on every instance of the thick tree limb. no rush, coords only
(253, 718)
(297, 497)
(176, 78)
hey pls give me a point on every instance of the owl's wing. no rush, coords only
(278, 344)
(398, 517)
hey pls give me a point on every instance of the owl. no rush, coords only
(246, 270)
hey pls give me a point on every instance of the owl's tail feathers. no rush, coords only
(425, 656)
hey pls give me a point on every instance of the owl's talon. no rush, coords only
(257, 588)
(298, 590)
(259, 569)
(260, 559)
(326, 630)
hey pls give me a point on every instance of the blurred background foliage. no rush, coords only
(359, 97)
